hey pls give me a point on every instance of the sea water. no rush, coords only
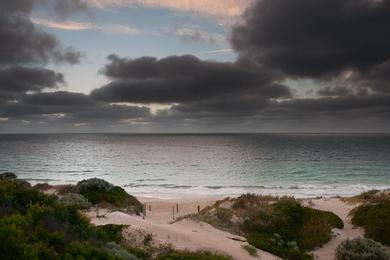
(303, 165)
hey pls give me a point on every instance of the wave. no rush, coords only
(177, 190)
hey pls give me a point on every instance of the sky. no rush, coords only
(194, 66)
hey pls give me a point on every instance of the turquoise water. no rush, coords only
(180, 165)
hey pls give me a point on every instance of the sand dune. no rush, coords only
(190, 235)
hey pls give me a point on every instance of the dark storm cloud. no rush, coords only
(334, 91)
(68, 107)
(59, 98)
(67, 7)
(112, 112)
(337, 104)
(341, 45)
(22, 43)
(377, 79)
(20, 79)
(183, 79)
(315, 38)
(23, 6)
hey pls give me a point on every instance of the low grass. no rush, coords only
(371, 196)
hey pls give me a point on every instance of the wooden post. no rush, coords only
(144, 211)
(97, 212)
(177, 208)
(198, 208)
(150, 208)
(173, 212)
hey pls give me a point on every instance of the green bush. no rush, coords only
(16, 197)
(74, 199)
(140, 253)
(110, 232)
(310, 228)
(37, 226)
(250, 249)
(94, 184)
(7, 176)
(375, 219)
(276, 245)
(100, 191)
(120, 252)
(281, 226)
(361, 249)
(184, 255)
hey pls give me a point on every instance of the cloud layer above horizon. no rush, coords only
(339, 47)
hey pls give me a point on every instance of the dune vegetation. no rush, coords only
(374, 215)
(281, 226)
(361, 249)
(34, 225)
(96, 192)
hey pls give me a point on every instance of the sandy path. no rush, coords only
(185, 234)
(342, 209)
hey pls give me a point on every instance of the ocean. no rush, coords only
(171, 166)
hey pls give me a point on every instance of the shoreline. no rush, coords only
(200, 192)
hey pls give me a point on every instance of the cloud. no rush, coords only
(22, 43)
(189, 33)
(20, 79)
(81, 26)
(182, 79)
(342, 46)
(216, 7)
(220, 51)
(68, 107)
(66, 8)
(315, 38)
(59, 98)
(65, 25)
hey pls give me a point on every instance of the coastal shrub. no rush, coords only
(16, 197)
(94, 184)
(279, 225)
(110, 232)
(74, 199)
(119, 252)
(375, 219)
(100, 191)
(310, 228)
(43, 186)
(34, 225)
(250, 249)
(7, 176)
(139, 253)
(185, 255)
(361, 249)
(276, 245)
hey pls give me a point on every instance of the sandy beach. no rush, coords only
(189, 235)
